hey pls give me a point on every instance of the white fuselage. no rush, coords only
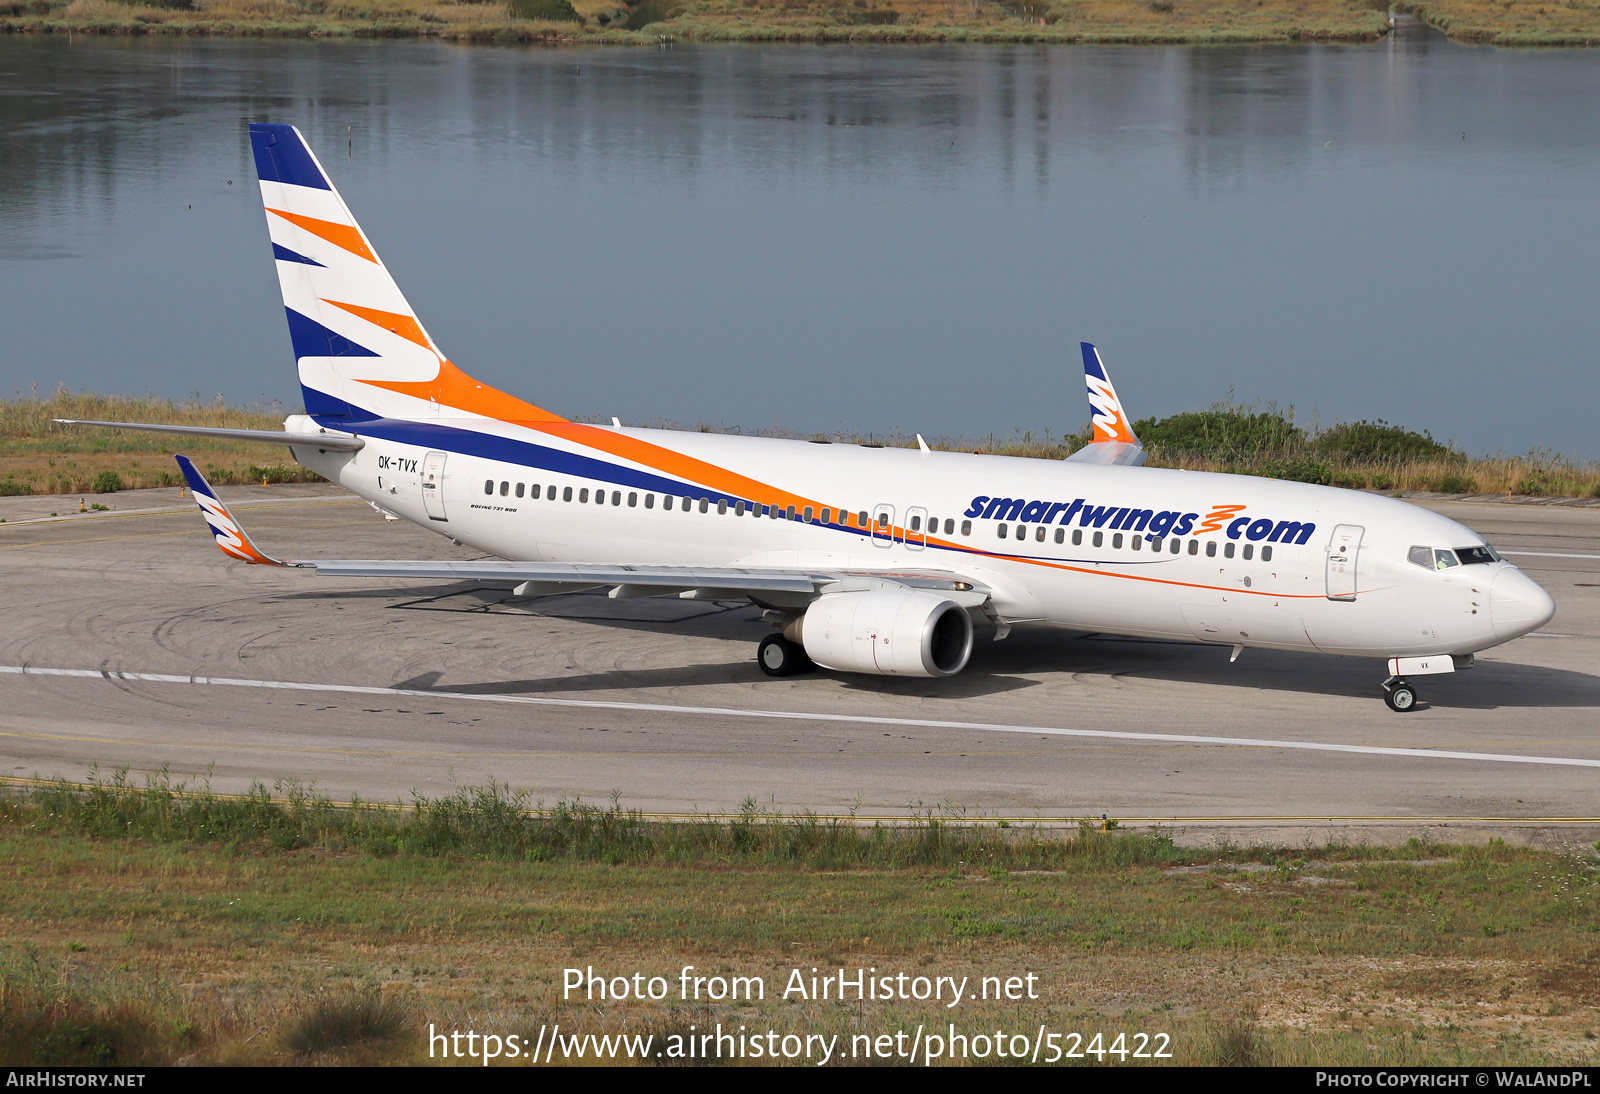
(1327, 569)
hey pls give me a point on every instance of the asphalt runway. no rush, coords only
(387, 689)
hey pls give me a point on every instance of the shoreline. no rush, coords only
(909, 22)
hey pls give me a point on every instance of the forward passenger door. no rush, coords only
(1344, 549)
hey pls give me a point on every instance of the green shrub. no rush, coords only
(1224, 431)
(1376, 441)
(1298, 469)
(10, 488)
(1455, 483)
(107, 482)
(549, 10)
(1348, 480)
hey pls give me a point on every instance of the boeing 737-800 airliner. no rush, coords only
(866, 559)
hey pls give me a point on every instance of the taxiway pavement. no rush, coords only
(421, 688)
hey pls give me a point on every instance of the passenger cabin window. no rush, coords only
(1099, 538)
(583, 496)
(1116, 541)
(827, 516)
(705, 505)
(1266, 554)
(1227, 550)
(1155, 544)
(1077, 536)
(1194, 548)
(533, 492)
(1211, 548)
(966, 527)
(916, 524)
(1038, 534)
(519, 490)
(1005, 530)
(1061, 535)
(1022, 531)
(649, 501)
(633, 499)
(722, 507)
(949, 527)
(616, 497)
(1138, 543)
(807, 515)
(1249, 549)
(505, 488)
(599, 497)
(488, 487)
(862, 518)
(566, 495)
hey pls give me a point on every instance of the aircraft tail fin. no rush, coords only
(362, 351)
(230, 535)
(1113, 440)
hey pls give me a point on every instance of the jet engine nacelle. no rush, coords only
(888, 632)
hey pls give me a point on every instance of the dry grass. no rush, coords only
(238, 950)
(1515, 22)
(38, 456)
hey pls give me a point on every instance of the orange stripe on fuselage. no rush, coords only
(454, 388)
(340, 235)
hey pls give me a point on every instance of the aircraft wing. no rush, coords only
(1113, 437)
(768, 586)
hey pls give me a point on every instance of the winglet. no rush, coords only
(230, 536)
(1110, 422)
(1112, 439)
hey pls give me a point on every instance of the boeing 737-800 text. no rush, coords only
(866, 559)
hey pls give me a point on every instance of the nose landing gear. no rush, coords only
(1400, 696)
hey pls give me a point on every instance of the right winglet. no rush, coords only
(1113, 440)
(230, 536)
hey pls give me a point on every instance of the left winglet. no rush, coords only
(1113, 440)
(230, 535)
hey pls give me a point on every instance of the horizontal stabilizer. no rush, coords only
(331, 442)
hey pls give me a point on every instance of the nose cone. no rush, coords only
(1518, 605)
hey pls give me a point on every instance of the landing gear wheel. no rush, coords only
(1400, 696)
(778, 656)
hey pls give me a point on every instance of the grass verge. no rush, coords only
(39, 457)
(155, 924)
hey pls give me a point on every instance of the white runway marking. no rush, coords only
(1543, 554)
(792, 716)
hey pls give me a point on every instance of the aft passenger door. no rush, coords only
(433, 485)
(1343, 551)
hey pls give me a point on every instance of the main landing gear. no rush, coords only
(1400, 696)
(778, 656)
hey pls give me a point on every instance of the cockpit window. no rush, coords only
(1443, 560)
(1421, 556)
(1472, 555)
